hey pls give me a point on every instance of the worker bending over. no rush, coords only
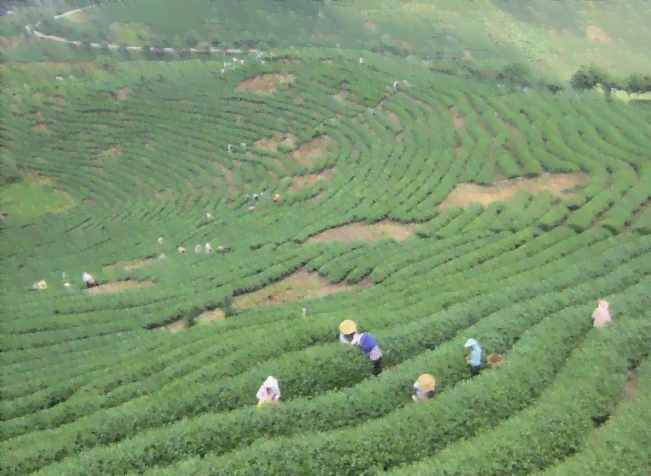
(474, 359)
(88, 280)
(424, 388)
(365, 341)
(601, 315)
(269, 392)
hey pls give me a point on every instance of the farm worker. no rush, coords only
(208, 247)
(601, 316)
(276, 198)
(39, 285)
(67, 285)
(181, 250)
(424, 388)
(349, 335)
(269, 392)
(197, 249)
(255, 196)
(160, 240)
(88, 280)
(474, 359)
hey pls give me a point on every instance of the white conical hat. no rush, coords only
(270, 382)
(470, 343)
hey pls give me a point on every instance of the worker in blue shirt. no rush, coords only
(349, 335)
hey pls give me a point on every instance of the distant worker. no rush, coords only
(276, 198)
(269, 392)
(474, 359)
(255, 196)
(208, 247)
(424, 388)
(601, 315)
(88, 280)
(160, 240)
(180, 250)
(197, 248)
(39, 285)
(365, 341)
(67, 285)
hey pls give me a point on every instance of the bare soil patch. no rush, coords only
(308, 153)
(457, 120)
(122, 93)
(596, 34)
(229, 176)
(392, 117)
(309, 180)
(358, 231)
(301, 285)
(127, 265)
(112, 153)
(466, 194)
(265, 84)
(340, 96)
(77, 17)
(630, 389)
(42, 128)
(211, 316)
(119, 286)
(272, 143)
(176, 326)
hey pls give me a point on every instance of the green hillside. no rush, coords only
(240, 177)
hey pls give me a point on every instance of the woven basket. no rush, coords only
(495, 360)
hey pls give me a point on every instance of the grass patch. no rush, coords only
(32, 198)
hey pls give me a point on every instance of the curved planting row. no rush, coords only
(195, 400)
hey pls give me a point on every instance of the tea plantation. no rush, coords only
(240, 177)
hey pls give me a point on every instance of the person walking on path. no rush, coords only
(349, 335)
(474, 359)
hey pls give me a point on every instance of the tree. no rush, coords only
(637, 83)
(582, 80)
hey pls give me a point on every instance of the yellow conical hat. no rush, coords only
(426, 382)
(347, 327)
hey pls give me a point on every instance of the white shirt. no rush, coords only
(269, 390)
(475, 355)
(86, 277)
(342, 338)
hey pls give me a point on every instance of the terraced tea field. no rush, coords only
(308, 186)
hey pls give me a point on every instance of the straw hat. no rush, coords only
(347, 327)
(426, 382)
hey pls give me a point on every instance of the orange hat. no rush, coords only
(426, 382)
